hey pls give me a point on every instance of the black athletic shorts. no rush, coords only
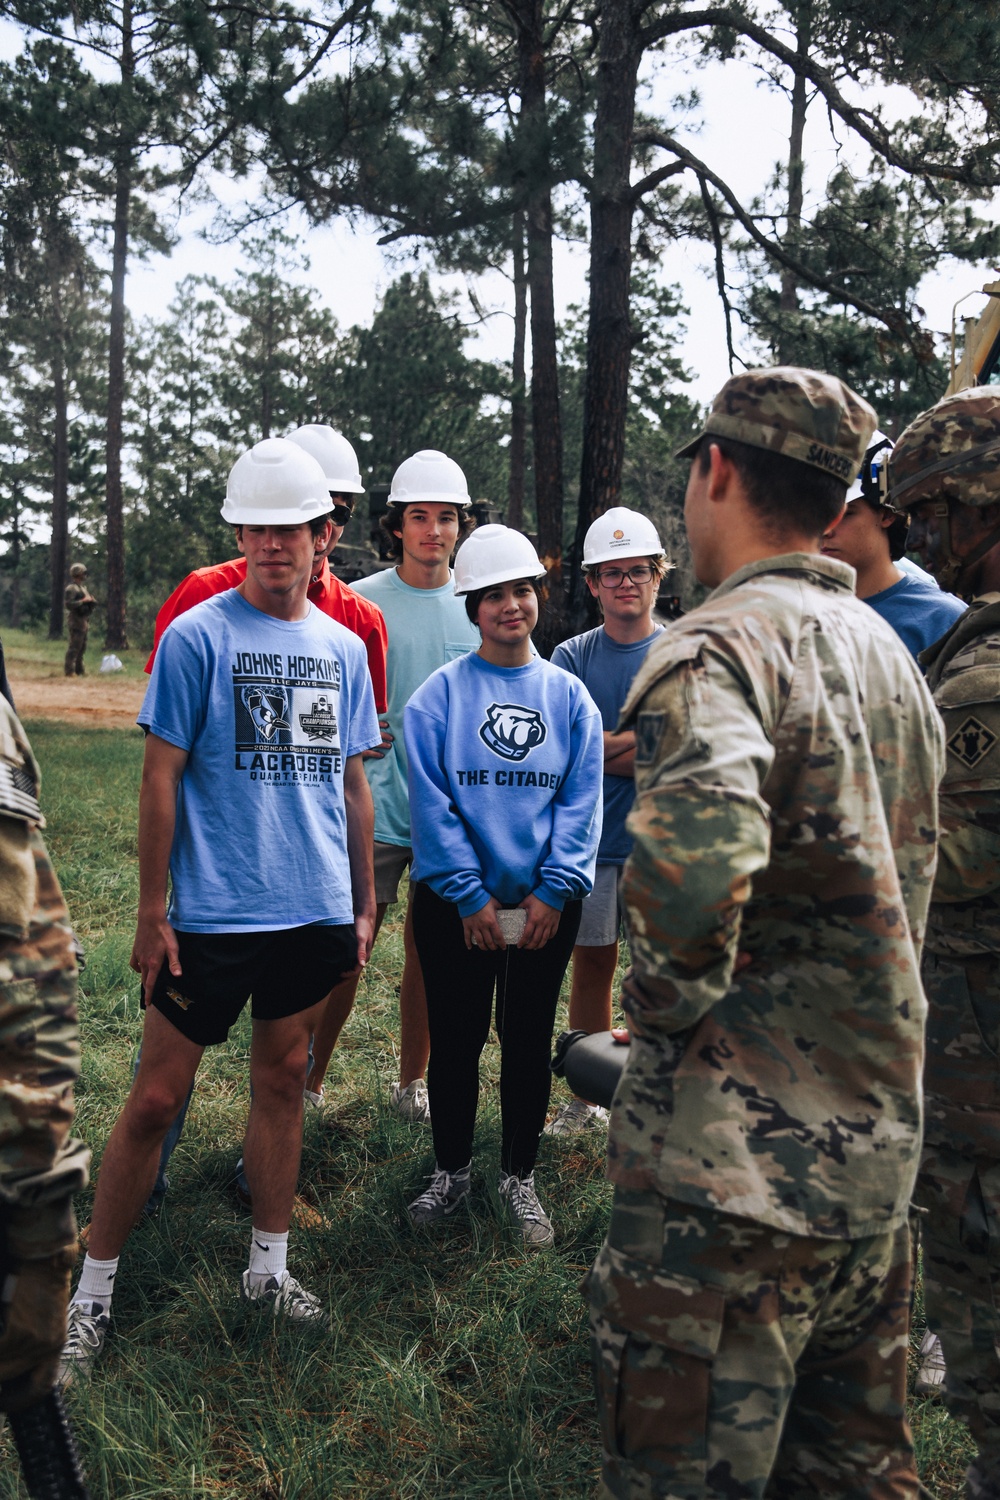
(285, 972)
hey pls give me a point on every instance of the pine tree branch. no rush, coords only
(862, 121)
(653, 179)
(720, 267)
(891, 317)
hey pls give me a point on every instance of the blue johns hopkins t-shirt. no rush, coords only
(607, 669)
(269, 710)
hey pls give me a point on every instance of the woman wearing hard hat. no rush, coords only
(505, 769)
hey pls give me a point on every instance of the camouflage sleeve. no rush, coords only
(701, 831)
(969, 804)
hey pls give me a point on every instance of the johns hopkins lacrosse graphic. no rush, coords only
(286, 715)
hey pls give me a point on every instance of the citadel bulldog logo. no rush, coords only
(512, 731)
(268, 708)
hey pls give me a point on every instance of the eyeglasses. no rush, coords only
(612, 578)
(342, 514)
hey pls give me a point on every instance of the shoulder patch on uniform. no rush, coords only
(648, 728)
(972, 741)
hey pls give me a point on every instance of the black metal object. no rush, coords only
(47, 1450)
(591, 1063)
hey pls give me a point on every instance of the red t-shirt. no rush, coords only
(325, 591)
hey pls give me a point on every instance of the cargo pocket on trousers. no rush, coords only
(655, 1335)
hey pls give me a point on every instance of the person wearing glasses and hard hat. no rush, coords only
(505, 765)
(871, 537)
(254, 802)
(623, 562)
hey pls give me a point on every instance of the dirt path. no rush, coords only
(109, 702)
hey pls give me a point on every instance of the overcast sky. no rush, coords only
(745, 135)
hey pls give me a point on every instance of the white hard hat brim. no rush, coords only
(503, 575)
(238, 515)
(461, 502)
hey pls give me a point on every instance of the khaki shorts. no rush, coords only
(601, 920)
(390, 861)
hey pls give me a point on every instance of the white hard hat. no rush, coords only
(334, 454)
(494, 554)
(275, 483)
(429, 477)
(620, 533)
(872, 478)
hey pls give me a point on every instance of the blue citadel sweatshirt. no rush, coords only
(506, 766)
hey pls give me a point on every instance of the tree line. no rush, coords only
(472, 135)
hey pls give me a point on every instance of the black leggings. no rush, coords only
(460, 983)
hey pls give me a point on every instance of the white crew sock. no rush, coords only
(97, 1282)
(268, 1256)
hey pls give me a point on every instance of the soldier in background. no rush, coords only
(40, 1166)
(79, 606)
(944, 471)
(750, 1306)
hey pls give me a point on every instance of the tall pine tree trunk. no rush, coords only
(787, 344)
(546, 421)
(116, 638)
(58, 560)
(518, 398)
(609, 328)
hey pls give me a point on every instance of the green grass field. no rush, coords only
(454, 1366)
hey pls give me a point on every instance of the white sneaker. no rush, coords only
(86, 1326)
(442, 1197)
(285, 1298)
(412, 1102)
(932, 1370)
(521, 1199)
(574, 1116)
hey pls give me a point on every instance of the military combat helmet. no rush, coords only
(951, 452)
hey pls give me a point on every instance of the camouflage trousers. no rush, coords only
(734, 1361)
(960, 1237)
(73, 665)
(40, 1166)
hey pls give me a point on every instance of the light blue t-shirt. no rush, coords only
(269, 710)
(427, 627)
(506, 765)
(917, 609)
(607, 668)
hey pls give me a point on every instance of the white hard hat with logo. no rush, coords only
(494, 554)
(429, 478)
(872, 478)
(620, 533)
(334, 454)
(275, 483)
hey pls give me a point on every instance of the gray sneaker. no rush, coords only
(932, 1371)
(86, 1326)
(522, 1201)
(284, 1297)
(442, 1197)
(412, 1102)
(574, 1116)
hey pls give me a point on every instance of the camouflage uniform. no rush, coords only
(40, 1166)
(959, 1180)
(79, 604)
(750, 1305)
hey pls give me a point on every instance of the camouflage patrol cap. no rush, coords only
(802, 414)
(951, 452)
(78, 570)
